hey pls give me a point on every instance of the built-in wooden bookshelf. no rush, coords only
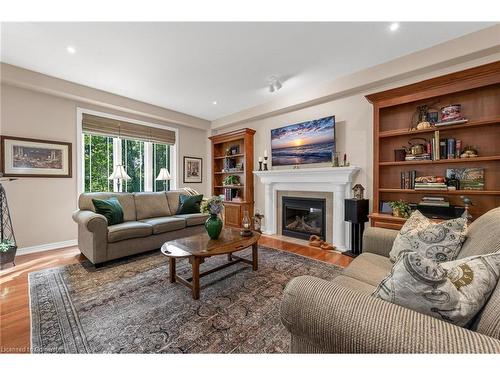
(478, 91)
(221, 143)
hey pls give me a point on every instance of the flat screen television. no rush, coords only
(304, 143)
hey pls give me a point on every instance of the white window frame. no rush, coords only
(117, 155)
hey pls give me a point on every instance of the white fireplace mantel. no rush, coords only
(337, 180)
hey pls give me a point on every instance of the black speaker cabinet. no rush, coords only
(356, 212)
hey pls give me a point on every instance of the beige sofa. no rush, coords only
(149, 221)
(342, 317)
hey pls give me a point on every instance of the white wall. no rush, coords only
(41, 208)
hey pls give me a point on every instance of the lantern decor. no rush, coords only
(8, 245)
(358, 190)
(246, 224)
(257, 221)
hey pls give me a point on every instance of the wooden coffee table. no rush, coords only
(200, 246)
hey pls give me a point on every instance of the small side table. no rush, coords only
(356, 212)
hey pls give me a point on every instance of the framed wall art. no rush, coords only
(193, 169)
(26, 157)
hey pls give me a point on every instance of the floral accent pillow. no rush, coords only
(452, 291)
(438, 241)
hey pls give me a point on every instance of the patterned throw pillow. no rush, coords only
(452, 291)
(439, 241)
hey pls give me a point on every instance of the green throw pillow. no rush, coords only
(189, 204)
(110, 208)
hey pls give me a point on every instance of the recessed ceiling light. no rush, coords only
(214, 102)
(394, 26)
(71, 49)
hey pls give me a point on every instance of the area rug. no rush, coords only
(131, 307)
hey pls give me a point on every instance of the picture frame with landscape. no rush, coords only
(306, 142)
(27, 157)
(193, 169)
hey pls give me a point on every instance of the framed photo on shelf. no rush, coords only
(27, 157)
(385, 207)
(193, 169)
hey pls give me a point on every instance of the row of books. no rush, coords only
(443, 148)
(408, 179)
(229, 194)
(434, 202)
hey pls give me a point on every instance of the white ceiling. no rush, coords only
(188, 66)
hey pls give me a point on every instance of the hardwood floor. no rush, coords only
(14, 300)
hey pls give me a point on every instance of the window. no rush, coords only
(161, 159)
(141, 160)
(98, 162)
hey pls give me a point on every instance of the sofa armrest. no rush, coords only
(378, 240)
(324, 317)
(90, 220)
(92, 235)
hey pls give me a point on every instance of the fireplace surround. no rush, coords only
(331, 180)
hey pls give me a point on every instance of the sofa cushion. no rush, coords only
(488, 322)
(194, 219)
(369, 268)
(110, 208)
(354, 284)
(439, 241)
(128, 229)
(173, 199)
(150, 205)
(453, 291)
(189, 204)
(126, 201)
(483, 236)
(165, 224)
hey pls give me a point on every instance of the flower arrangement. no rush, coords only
(212, 206)
(5, 245)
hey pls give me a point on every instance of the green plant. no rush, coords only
(231, 180)
(5, 245)
(401, 207)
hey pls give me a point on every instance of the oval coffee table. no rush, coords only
(200, 246)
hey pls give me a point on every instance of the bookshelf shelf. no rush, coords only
(229, 156)
(471, 124)
(442, 192)
(441, 161)
(230, 186)
(478, 91)
(234, 172)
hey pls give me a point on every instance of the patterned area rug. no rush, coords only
(130, 306)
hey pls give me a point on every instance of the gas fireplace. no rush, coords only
(303, 217)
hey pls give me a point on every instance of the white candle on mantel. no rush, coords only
(265, 153)
(261, 159)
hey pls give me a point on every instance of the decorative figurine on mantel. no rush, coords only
(358, 190)
(265, 160)
(260, 163)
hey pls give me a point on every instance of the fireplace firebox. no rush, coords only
(303, 217)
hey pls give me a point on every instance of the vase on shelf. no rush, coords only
(213, 225)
